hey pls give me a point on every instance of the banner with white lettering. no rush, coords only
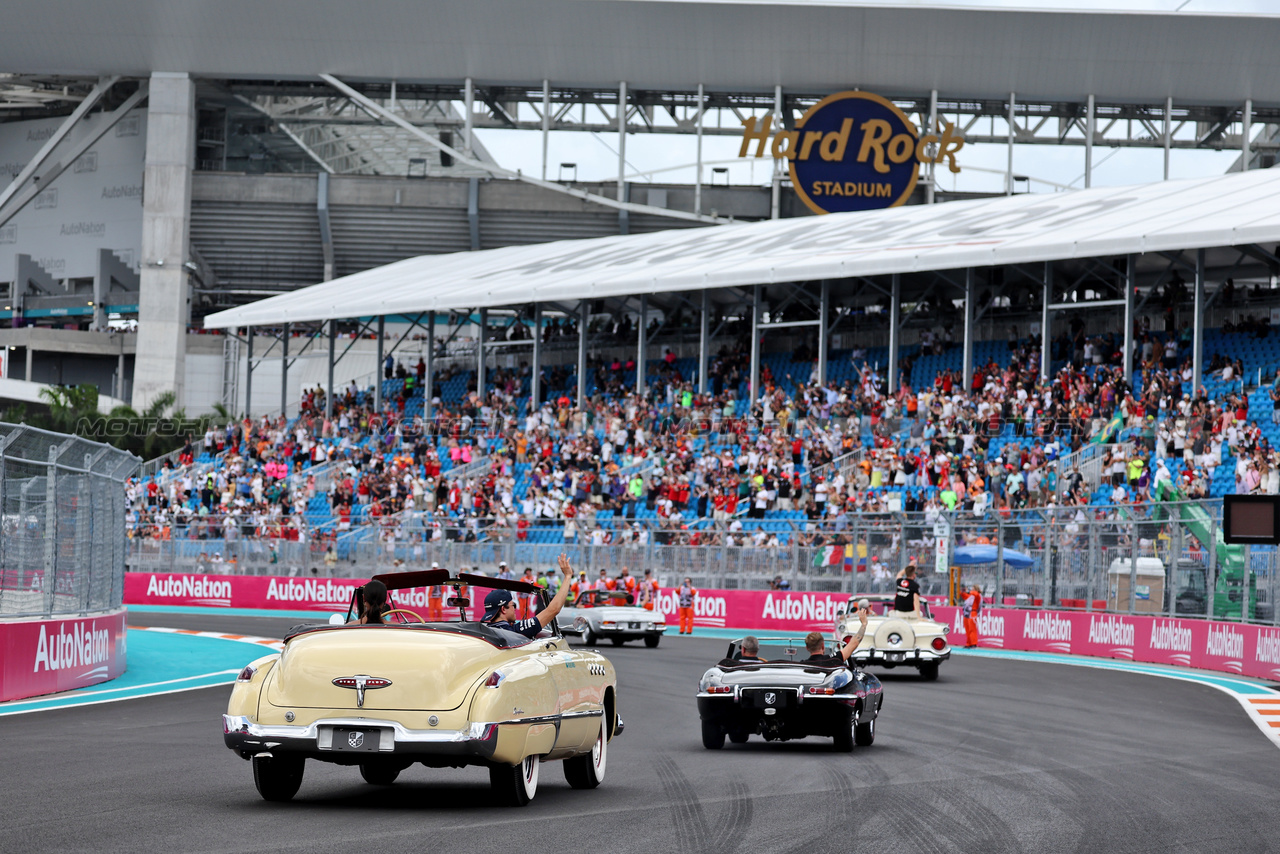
(48, 656)
(1229, 647)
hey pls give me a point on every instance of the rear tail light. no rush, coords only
(938, 644)
(495, 679)
(822, 690)
(246, 675)
(720, 689)
(847, 638)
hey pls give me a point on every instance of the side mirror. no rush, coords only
(580, 624)
(337, 620)
(840, 612)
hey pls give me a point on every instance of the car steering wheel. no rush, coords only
(402, 612)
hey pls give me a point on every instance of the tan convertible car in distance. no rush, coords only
(448, 693)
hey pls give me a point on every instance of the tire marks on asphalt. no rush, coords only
(694, 833)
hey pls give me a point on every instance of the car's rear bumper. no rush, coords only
(895, 657)
(477, 741)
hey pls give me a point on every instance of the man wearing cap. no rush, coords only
(503, 571)
(502, 612)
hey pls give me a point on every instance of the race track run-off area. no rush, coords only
(1007, 753)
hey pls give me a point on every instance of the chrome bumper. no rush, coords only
(246, 737)
(899, 656)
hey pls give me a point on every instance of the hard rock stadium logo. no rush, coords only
(852, 151)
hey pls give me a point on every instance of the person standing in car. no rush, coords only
(907, 592)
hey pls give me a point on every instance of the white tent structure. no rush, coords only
(1237, 210)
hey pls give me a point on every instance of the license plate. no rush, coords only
(895, 656)
(355, 740)
(635, 625)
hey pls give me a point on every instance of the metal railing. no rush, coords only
(1163, 558)
(62, 520)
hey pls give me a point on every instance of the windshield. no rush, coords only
(781, 650)
(882, 607)
(455, 602)
(596, 598)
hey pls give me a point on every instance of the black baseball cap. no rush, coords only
(494, 602)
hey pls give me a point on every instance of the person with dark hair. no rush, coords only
(814, 642)
(502, 612)
(907, 595)
(373, 603)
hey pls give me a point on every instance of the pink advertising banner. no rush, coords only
(48, 656)
(1228, 647)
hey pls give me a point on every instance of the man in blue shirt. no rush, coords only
(502, 611)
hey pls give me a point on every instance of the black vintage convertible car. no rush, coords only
(784, 696)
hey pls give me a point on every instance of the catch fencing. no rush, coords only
(62, 523)
(1165, 558)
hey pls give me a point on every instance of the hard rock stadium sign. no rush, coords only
(852, 151)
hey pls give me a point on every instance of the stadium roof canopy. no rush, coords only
(1233, 210)
(1127, 51)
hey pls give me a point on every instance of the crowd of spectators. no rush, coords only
(687, 468)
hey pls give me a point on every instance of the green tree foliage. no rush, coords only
(157, 430)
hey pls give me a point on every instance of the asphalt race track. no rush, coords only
(996, 755)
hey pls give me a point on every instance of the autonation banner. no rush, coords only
(49, 656)
(1229, 647)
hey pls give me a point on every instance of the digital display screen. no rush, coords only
(1251, 519)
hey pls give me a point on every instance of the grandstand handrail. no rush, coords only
(153, 466)
(1089, 458)
(477, 465)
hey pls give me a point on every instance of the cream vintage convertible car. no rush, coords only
(895, 639)
(448, 693)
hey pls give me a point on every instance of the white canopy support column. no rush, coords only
(484, 322)
(284, 369)
(624, 218)
(1168, 133)
(535, 366)
(546, 124)
(641, 335)
(1128, 319)
(895, 335)
(1046, 338)
(378, 374)
(328, 397)
(584, 313)
(967, 370)
(1089, 125)
(1197, 327)
(1246, 130)
(248, 372)
(775, 195)
(1008, 171)
(704, 328)
(753, 389)
(824, 310)
(697, 179)
(930, 187)
(428, 382)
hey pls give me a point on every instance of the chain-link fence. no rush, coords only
(1164, 558)
(62, 512)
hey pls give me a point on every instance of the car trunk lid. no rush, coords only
(406, 669)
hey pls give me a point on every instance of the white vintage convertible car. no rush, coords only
(895, 639)
(447, 693)
(600, 614)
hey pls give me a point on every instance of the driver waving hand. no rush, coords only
(502, 612)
